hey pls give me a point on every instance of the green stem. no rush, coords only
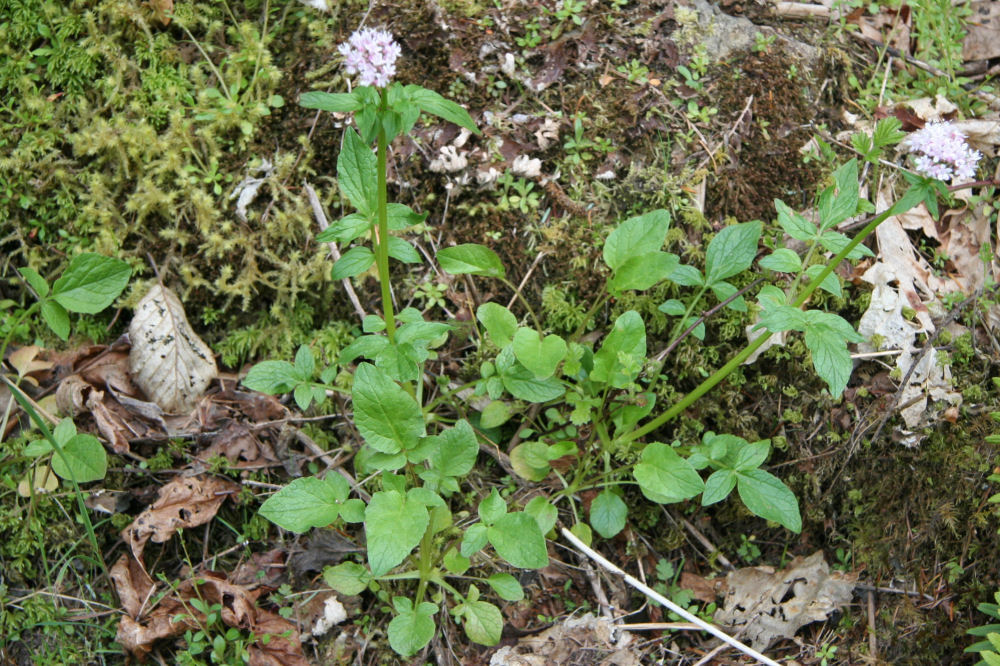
(524, 302)
(601, 300)
(381, 240)
(424, 562)
(908, 200)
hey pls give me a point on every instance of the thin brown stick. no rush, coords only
(317, 208)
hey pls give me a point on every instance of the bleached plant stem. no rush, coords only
(659, 598)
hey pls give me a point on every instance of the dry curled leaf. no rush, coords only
(168, 361)
(184, 502)
(765, 605)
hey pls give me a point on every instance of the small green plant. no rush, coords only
(989, 649)
(517, 194)
(762, 43)
(826, 653)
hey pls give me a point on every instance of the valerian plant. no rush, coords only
(416, 452)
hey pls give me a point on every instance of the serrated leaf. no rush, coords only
(843, 204)
(835, 241)
(636, 236)
(345, 229)
(731, 251)
(665, 477)
(36, 281)
(272, 377)
(517, 538)
(388, 417)
(474, 539)
(354, 262)
(794, 224)
(543, 511)
(168, 361)
(303, 504)
(492, 507)
(830, 357)
(471, 258)
(356, 173)
(718, 486)
(608, 513)
(91, 283)
(402, 251)
(411, 630)
(394, 526)
(766, 496)
(782, 260)
(627, 338)
(455, 450)
(500, 323)
(522, 383)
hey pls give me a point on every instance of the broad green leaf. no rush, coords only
(471, 258)
(506, 587)
(347, 578)
(835, 241)
(412, 629)
(421, 333)
(492, 507)
(91, 283)
(517, 538)
(393, 528)
(687, 276)
(794, 224)
(353, 262)
(500, 323)
(455, 562)
(608, 513)
(731, 251)
(400, 216)
(522, 383)
(583, 532)
(770, 297)
(400, 361)
(402, 251)
(56, 317)
(272, 377)
(673, 307)
(783, 318)
(305, 362)
(830, 357)
(345, 229)
(36, 281)
(530, 461)
(782, 260)
(387, 417)
(474, 539)
(627, 338)
(540, 356)
(356, 173)
(455, 450)
(835, 209)
(636, 236)
(434, 104)
(324, 101)
(482, 621)
(766, 496)
(665, 477)
(543, 511)
(724, 290)
(303, 504)
(495, 414)
(643, 271)
(366, 346)
(718, 486)
(751, 455)
(83, 458)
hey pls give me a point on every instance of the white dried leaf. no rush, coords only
(168, 361)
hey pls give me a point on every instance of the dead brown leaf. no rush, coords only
(241, 447)
(765, 605)
(184, 502)
(982, 41)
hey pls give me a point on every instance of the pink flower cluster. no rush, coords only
(371, 53)
(940, 151)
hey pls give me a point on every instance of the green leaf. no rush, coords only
(835, 209)
(367, 346)
(687, 276)
(303, 504)
(540, 356)
(783, 318)
(530, 461)
(402, 251)
(272, 377)
(608, 513)
(522, 383)
(472, 259)
(794, 224)
(84, 456)
(353, 262)
(474, 539)
(305, 362)
(492, 507)
(731, 251)
(500, 323)
(411, 630)
(766, 496)
(835, 241)
(91, 283)
(636, 236)
(665, 477)
(455, 562)
(627, 339)
(434, 104)
(455, 450)
(56, 317)
(543, 511)
(643, 271)
(724, 290)
(830, 357)
(782, 260)
(506, 587)
(751, 456)
(345, 229)
(356, 173)
(388, 417)
(718, 486)
(495, 414)
(324, 101)
(482, 621)
(394, 526)
(673, 307)
(400, 216)
(36, 281)
(348, 578)
(517, 538)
